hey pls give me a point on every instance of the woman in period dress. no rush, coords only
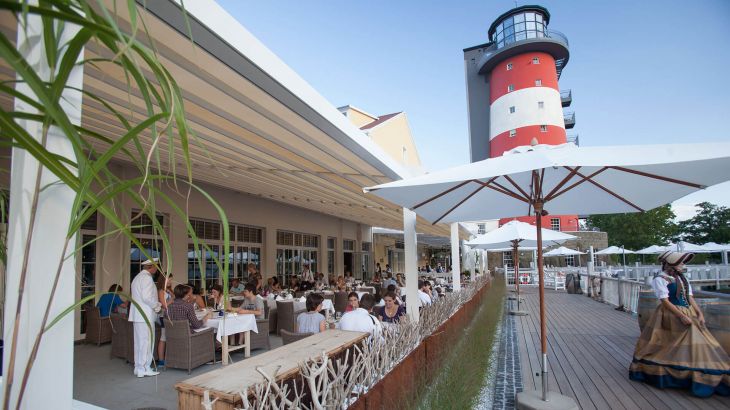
(675, 348)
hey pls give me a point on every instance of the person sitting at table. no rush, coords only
(391, 313)
(431, 291)
(389, 281)
(400, 281)
(251, 305)
(353, 302)
(181, 309)
(423, 293)
(341, 285)
(236, 287)
(319, 282)
(348, 278)
(216, 297)
(360, 319)
(312, 321)
(109, 302)
(165, 296)
(294, 285)
(394, 289)
(196, 298)
(377, 278)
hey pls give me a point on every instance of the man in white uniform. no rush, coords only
(144, 293)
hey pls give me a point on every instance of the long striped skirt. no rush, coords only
(672, 354)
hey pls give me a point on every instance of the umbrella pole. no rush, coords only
(543, 325)
(516, 262)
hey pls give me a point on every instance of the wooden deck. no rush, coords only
(590, 346)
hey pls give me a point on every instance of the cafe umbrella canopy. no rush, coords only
(516, 234)
(561, 179)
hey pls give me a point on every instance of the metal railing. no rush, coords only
(554, 34)
(569, 117)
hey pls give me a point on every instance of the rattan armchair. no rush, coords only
(98, 329)
(291, 337)
(186, 349)
(261, 339)
(120, 336)
(287, 317)
(340, 301)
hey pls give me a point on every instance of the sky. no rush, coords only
(641, 72)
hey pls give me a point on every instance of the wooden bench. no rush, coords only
(225, 383)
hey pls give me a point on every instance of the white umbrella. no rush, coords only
(688, 247)
(516, 234)
(563, 251)
(652, 250)
(614, 250)
(716, 247)
(563, 179)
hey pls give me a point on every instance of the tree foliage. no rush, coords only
(711, 224)
(637, 230)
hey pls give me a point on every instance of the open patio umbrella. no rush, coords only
(615, 250)
(713, 247)
(652, 250)
(563, 179)
(516, 234)
(563, 251)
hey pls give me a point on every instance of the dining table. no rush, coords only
(228, 325)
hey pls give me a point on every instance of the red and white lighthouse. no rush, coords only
(513, 92)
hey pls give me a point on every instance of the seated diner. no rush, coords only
(312, 321)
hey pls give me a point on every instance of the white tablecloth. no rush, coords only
(234, 324)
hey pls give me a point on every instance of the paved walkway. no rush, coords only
(590, 346)
(109, 383)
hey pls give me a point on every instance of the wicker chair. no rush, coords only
(287, 317)
(186, 349)
(120, 330)
(273, 320)
(291, 337)
(340, 301)
(261, 339)
(98, 329)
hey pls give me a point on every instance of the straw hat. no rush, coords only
(672, 258)
(150, 262)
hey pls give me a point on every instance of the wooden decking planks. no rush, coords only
(590, 346)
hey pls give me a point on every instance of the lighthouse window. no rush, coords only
(510, 88)
(541, 104)
(512, 109)
(543, 128)
(538, 83)
(512, 133)
(509, 66)
(535, 60)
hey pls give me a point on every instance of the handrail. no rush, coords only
(558, 35)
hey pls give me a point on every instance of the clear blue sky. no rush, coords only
(651, 71)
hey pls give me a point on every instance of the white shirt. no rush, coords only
(424, 297)
(307, 275)
(359, 320)
(659, 285)
(144, 293)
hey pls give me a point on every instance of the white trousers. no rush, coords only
(142, 348)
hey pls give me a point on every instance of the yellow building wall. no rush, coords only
(358, 118)
(394, 135)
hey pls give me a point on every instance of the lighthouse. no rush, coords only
(513, 93)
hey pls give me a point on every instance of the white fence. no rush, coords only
(620, 287)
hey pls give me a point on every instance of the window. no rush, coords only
(331, 254)
(541, 104)
(510, 88)
(535, 60)
(509, 66)
(512, 133)
(543, 128)
(512, 109)
(570, 260)
(348, 245)
(148, 234)
(88, 234)
(507, 260)
(293, 251)
(555, 224)
(538, 83)
(481, 229)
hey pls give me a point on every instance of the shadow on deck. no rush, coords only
(590, 346)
